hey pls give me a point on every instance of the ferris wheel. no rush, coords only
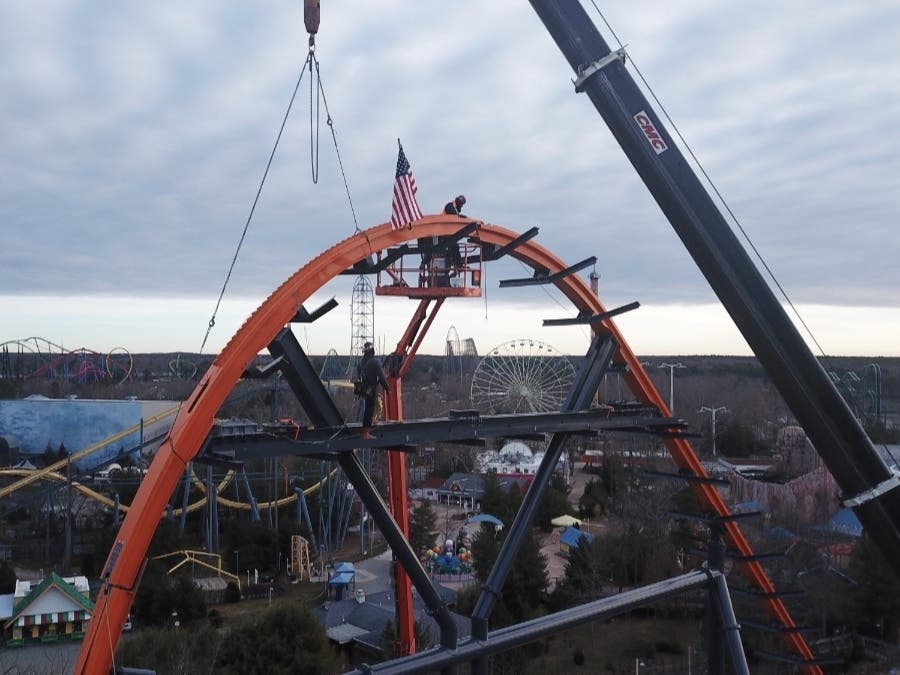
(522, 376)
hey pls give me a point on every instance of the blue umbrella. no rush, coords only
(486, 518)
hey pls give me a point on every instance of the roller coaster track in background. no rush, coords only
(51, 473)
(41, 474)
(196, 418)
(56, 477)
(38, 357)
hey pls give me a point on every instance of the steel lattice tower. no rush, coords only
(362, 330)
(362, 321)
(452, 362)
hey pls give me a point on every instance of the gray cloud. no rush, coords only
(134, 139)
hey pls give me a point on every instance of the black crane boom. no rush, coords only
(864, 478)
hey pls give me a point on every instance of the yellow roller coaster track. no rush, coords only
(81, 454)
(55, 476)
(52, 473)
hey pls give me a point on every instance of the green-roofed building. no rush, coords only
(49, 610)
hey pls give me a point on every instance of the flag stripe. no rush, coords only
(404, 208)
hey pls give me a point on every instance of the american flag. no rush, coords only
(404, 208)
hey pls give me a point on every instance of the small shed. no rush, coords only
(343, 578)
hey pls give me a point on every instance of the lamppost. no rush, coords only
(713, 411)
(672, 367)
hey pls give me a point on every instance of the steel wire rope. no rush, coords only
(718, 194)
(330, 122)
(212, 320)
(110, 640)
(314, 128)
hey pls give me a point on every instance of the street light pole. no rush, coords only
(672, 367)
(713, 411)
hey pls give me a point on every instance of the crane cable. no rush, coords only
(212, 320)
(330, 122)
(718, 194)
(315, 88)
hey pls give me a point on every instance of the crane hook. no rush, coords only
(311, 19)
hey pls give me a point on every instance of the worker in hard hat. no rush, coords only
(369, 375)
(454, 208)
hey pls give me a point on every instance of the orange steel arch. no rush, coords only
(195, 419)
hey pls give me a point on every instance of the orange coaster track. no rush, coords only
(195, 419)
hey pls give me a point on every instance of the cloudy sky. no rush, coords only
(133, 137)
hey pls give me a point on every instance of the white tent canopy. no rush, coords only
(565, 521)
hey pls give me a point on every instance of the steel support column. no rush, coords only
(303, 516)
(729, 626)
(251, 499)
(715, 653)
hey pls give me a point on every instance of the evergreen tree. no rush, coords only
(554, 503)
(7, 578)
(422, 527)
(284, 639)
(493, 500)
(586, 572)
(526, 584)
(163, 650)
(874, 603)
(590, 504)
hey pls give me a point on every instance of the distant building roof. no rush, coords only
(846, 522)
(363, 623)
(341, 579)
(345, 632)
(465, 483)
(211, 583)
(572, 536)
(747, 507)
(472, 484)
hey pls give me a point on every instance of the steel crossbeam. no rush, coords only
(319, 440)
(521, 634)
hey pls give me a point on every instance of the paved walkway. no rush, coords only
(373, 575)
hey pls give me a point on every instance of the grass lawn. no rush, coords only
(614, 646)
(305, 592)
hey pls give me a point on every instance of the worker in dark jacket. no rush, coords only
(370, 375)
(454, 208)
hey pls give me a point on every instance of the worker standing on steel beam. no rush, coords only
(369, 376)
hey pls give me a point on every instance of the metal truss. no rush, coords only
(328, 436)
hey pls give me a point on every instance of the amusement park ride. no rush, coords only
(447, 253)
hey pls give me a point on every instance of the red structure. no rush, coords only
(120, 576)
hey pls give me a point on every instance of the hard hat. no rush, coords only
(461, 199)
